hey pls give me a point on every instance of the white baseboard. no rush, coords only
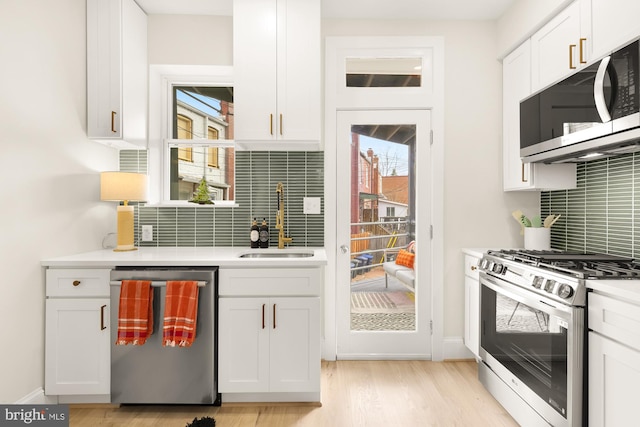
(37, 397)
(454, 349)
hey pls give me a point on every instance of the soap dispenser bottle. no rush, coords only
(255, 234)
(264, 234)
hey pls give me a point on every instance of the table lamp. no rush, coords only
(125, 187)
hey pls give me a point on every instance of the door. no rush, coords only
(77, 346)
(294, 348)
(244, 345)
(384, 196)
(613, 377)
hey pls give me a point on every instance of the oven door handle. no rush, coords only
(549, 307)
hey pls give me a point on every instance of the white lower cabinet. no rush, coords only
(472, 305)
(269, 343)
(614, 375)
(614, 360)
(77, 335)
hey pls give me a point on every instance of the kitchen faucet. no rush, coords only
(280, 217)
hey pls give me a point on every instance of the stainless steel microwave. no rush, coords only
(589, 115)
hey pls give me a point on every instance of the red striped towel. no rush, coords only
(180, 313)
(135, 312)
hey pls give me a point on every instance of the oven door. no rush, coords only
(535, 347)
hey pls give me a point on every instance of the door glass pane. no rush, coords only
(384, 72)
(382, 212)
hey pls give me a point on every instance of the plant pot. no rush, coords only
(537, 238)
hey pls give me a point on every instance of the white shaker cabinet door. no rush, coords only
(243, 345)
(295, 344)
(117, 73)
(277, 70)
(77, 347)
(614, 375)
(614, 23)
(559, 48)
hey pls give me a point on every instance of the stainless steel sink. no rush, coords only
(277, 255)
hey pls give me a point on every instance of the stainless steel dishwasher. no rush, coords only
(153, 374)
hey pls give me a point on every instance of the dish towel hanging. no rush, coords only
(180, 313)
(135, 312)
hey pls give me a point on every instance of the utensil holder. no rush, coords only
(537, 238)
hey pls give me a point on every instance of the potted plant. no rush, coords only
(201, 195)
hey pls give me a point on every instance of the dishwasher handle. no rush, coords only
(157, 283)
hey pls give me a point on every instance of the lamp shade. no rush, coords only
(117, 186)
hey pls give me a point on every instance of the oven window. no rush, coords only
(530, 343)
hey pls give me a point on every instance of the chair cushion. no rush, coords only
(406, 276)
(405, 258)
(392, 268)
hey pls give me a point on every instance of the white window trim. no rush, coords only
(162, 78)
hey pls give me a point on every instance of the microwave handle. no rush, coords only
(598, 90)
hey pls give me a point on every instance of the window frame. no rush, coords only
(162, 79)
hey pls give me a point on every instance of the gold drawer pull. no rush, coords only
(571, 48)
(113, 122)
(474, 268)
(582, 49)
(76, 282)
(274, 316)
(102, 326)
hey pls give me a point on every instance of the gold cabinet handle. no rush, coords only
(271, 124)
(102, 325)
(523, 179)
(571, 48)
(280, 124)
(76, 283)
(474, 268)
(263, 305)
(113, 122)
(582, 50)
(274, 316)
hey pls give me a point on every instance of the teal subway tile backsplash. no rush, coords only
(257, 173)
(601, 214)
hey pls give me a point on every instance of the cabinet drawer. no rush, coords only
(268, 282)
(616, 319)
(471, 267)
(77, 282)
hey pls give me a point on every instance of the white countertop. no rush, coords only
(188, 256)
(476, 252)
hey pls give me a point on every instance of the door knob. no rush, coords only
(344, 249)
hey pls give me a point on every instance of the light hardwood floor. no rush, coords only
(354, 393)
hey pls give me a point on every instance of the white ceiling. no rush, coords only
(362, 9)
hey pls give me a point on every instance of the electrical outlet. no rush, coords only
(147, 233)
(311, 205)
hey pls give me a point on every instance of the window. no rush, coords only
(184, 130)
(191, 123)
(201, 114)
(391, 211)
(213, 151)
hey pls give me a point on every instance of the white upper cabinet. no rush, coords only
(117, 73)
(614, 23)
(561, 46)
(277, 71)
(516, 85)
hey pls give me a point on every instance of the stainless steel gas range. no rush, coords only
(532, 331)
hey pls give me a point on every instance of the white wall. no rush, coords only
(50, 182)
(477, 212)
(190, 39)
